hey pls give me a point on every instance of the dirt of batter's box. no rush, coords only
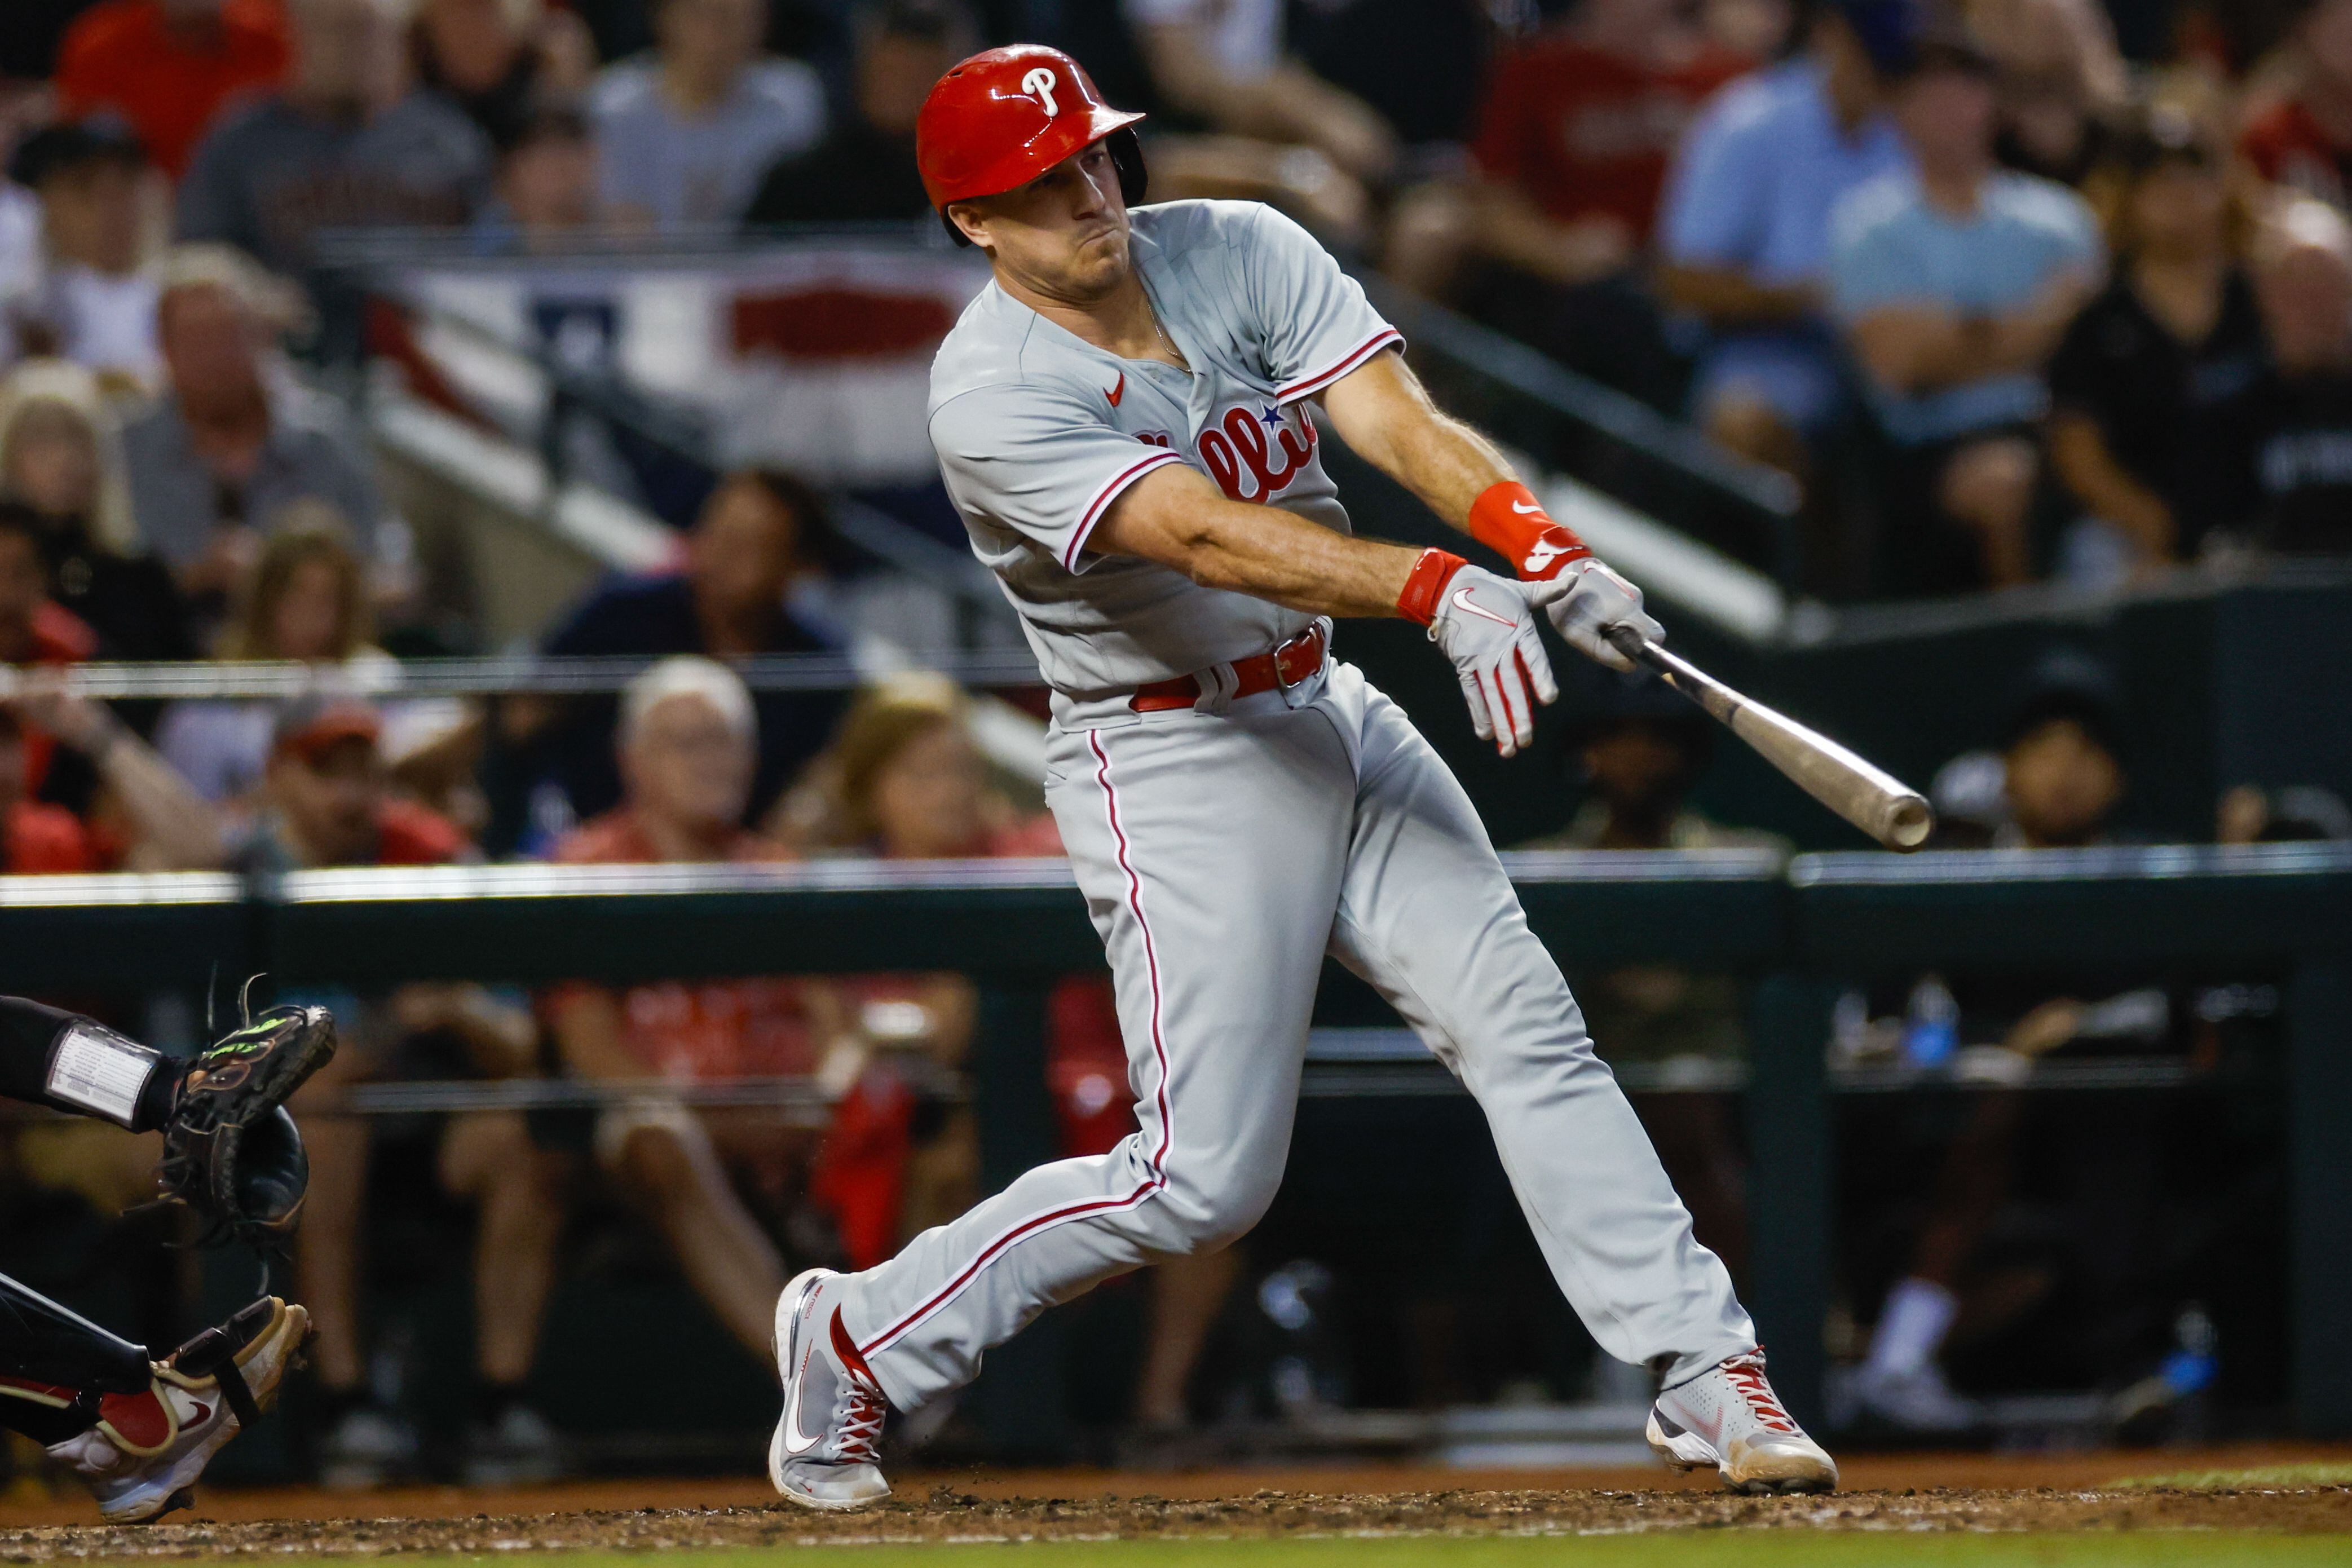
(948, 1514)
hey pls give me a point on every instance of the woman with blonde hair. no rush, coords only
(305, 601)
(59, 458)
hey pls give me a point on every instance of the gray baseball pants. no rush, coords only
(1224, 850)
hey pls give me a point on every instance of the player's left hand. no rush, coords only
(231, 1152)
(1487, 626)
(1594, 599)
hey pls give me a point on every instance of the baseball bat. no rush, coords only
(1873, 799)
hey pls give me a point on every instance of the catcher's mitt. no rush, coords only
(230, 1150)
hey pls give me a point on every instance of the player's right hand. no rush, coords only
(1596, 600)
(1487, 626)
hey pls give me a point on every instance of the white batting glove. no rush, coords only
(1596, 599)
(1487, 626)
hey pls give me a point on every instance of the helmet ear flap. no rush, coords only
(1126, 156)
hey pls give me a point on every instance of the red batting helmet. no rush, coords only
(1005, 116)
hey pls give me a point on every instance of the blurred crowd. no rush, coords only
(2010, 304)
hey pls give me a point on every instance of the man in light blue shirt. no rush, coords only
(683, 135)
(1953, 283)
(1744, 230)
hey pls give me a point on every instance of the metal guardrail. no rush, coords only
(1800, 931)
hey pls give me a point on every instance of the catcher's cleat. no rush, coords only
(1727, 1416)
(142, 1458)
(231, 1151)
(822, 1453)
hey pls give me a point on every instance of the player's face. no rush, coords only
(1064, 235)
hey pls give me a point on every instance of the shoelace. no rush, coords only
(859, 1419)
(1746, 1373)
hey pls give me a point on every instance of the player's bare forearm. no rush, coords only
(1174, 517)
(1387, 417)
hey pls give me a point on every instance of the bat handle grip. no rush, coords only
(1632, 645)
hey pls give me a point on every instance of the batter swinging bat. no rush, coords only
(1871, 799)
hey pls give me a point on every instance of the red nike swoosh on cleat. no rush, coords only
(1117, 392)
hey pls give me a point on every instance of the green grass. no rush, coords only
(1680, 1549)
(2273, 1478)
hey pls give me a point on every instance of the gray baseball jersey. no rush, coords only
(1038, 431)
(1226, 847)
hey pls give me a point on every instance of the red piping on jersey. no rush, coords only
(1316, 383)
(1158, 1180)
(1101, 504)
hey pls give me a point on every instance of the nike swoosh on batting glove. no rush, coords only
(1487, 626)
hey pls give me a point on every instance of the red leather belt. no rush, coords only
(1279, 667)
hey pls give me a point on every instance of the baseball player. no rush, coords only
(139, 1428)
(1121, 417)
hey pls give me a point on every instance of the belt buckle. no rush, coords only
(1309, 640)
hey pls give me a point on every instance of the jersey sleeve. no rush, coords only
(1313, 319)
(1037, 460)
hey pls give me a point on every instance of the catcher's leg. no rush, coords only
(78, 1065)
(137, 1432)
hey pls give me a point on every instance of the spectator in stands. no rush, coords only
(34, 628)
(328, 805)
(307, 603)
(499, 59)
(2064, 778)
(1277, 132)
(687, 748)
(758, 538)
(1743, 232)
(1573, 140)
(1954, 283)
(167, 67)
(2155, 387)
(547, 190)
(349, 142)
(234, 437)
(60, 461)
(94, 305)
(1643, 748)
(139, 814)
(2062, 82)
(2299, 133)
(36, 838)
(863, 170)
(686, 133)
(2303, 278)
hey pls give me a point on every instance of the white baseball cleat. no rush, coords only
(822, 1453)
(142, 1458)
(1727, 1416)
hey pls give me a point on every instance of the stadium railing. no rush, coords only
(1799, 931)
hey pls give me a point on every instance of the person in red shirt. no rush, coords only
(1574, 138)
(2303, 138)
(34, 628)
(36, 838)
(166, 67)
(687, 746)
(327, 803)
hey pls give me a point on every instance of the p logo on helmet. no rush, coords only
(978, 133)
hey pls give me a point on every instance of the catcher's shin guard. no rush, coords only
(56, 1367)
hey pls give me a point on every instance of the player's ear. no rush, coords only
(964, 225)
